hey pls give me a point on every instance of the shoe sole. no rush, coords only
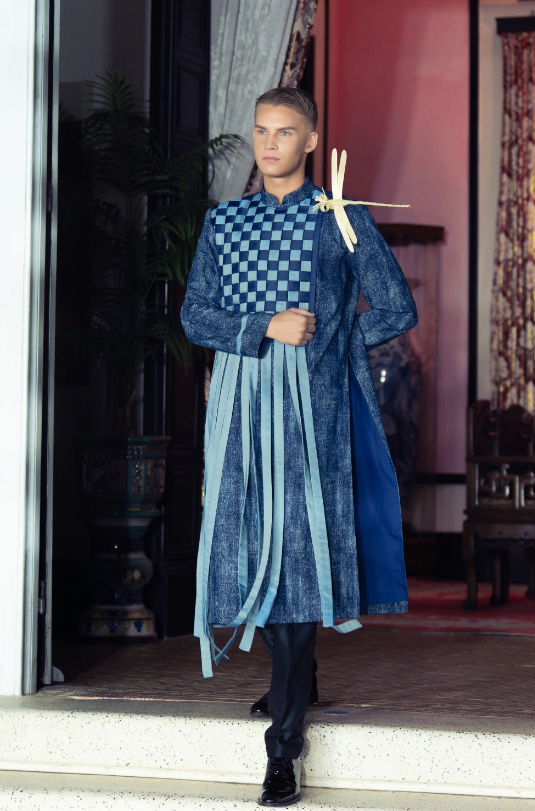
(277, 805)
(267, 715)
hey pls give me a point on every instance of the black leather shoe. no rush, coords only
(260, 708)
(282, 784)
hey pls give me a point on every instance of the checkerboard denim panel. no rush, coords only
(265, 255)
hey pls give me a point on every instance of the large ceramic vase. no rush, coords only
(122, 481)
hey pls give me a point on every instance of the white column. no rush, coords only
(23, 125)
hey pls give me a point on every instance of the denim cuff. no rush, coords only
(253, 344)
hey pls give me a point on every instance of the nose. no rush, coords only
(271, 141)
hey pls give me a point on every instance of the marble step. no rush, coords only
(346, 747)
(65, 792)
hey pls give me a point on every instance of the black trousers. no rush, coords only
(291, 647)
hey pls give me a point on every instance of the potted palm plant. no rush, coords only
(146, 212)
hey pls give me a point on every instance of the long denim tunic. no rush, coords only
(357, 480)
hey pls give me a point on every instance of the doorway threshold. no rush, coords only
(217, 742)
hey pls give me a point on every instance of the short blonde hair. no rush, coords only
(294, 98)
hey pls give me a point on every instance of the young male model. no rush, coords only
(301, 518)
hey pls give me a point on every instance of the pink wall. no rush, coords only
(398, 103)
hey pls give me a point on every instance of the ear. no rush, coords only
(312, 142)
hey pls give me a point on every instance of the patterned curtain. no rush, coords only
(248, 52)
(512, 327)
(294, 65)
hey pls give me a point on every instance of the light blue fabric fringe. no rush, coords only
(271, 518)
(240, 333)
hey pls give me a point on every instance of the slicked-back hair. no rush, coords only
(294, 98)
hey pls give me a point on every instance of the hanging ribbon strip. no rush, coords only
(337, 202)
(218, 418)
(254, 611)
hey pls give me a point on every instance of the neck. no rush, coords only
(279, 187)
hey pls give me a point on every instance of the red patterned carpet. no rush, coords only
(436, 606)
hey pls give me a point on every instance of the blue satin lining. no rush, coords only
(377, 509)
(271, 518)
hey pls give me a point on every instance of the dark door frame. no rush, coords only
(473, 203)
(174, 400)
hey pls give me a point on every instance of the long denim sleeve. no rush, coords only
(392, 309)
(204, 321)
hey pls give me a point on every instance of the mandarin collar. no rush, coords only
(292, 199)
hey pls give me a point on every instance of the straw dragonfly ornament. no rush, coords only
(337, 203)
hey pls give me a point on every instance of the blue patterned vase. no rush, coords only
(121, 481)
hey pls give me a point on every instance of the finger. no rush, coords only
(301, 311)
(308, 336)
(311, 328)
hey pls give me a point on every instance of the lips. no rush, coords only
(270, 160)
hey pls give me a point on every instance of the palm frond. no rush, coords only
(146, 214)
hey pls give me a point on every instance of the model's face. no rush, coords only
(282, 138)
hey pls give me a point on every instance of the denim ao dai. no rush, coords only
(358, 486)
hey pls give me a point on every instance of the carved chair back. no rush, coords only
(500, 462)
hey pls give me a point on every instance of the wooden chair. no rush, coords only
(500, 483)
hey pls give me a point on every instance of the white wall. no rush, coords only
(490, 125)
(438, 507)
(23, 65)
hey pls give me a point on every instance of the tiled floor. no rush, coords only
(467, 674)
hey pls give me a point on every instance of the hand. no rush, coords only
(293, 326)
